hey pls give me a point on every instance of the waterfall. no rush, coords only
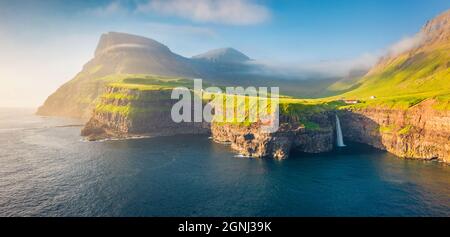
(339, 137)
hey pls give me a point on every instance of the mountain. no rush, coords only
(120, 53)
(230, 67)
(223, 55)
(116, 53)
(421, 72)
(124, 53)
(344, 84)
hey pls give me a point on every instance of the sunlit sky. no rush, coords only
(45, 43)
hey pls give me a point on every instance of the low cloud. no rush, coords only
(405, 44)
(234, 12)
(321, 69)
(340, 68)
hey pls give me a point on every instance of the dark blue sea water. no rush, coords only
(47, 170)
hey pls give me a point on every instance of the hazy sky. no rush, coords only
(44, 43)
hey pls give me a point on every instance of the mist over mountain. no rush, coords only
(223, 55)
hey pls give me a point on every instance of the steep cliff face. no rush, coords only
(421, 132)
(252, 142)
(124, 112)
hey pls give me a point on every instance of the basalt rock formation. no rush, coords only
(251, 142)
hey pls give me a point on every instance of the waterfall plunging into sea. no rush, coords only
(339, 137)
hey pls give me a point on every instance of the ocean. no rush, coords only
(46, 169)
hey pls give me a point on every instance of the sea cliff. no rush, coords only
(125, 113)
(420, 132)
(251, 141)
(131, 110)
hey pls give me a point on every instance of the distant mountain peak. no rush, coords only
(224, 55)
(438, 29)
(116, 40)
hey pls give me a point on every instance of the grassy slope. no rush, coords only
(161, 85)
(145, 82)
(299, 108)
(407, 80)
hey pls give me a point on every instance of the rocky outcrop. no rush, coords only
(251, 141)
(136, 113)
(420, 132)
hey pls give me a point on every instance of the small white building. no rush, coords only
(351, 101)
(373, 97)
